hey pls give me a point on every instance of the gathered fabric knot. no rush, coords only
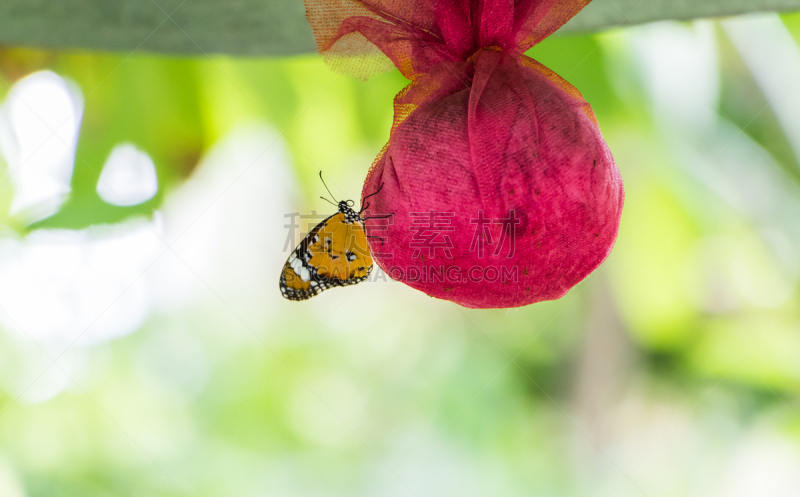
(492, 48)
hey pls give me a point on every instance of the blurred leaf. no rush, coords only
(244, 27)
(274, 27)
(604, 14)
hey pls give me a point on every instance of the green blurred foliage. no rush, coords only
(332, 403)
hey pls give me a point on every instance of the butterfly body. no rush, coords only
(334, 253)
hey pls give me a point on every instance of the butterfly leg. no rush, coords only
(378, 238)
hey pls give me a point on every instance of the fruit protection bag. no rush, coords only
(501, 187)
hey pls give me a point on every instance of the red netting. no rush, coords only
(481, 133)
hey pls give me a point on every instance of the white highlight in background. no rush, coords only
(64, 290)
(39, 124)
(128, 177)
(60, 286)
(679, 67)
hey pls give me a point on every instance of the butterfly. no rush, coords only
(334, 253)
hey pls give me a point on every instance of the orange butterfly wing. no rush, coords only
(333, 254)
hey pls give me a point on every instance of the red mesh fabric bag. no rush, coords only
(503, 190)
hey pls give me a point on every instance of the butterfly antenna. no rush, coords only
(368, 196)
(326, 187)
(326, 200)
